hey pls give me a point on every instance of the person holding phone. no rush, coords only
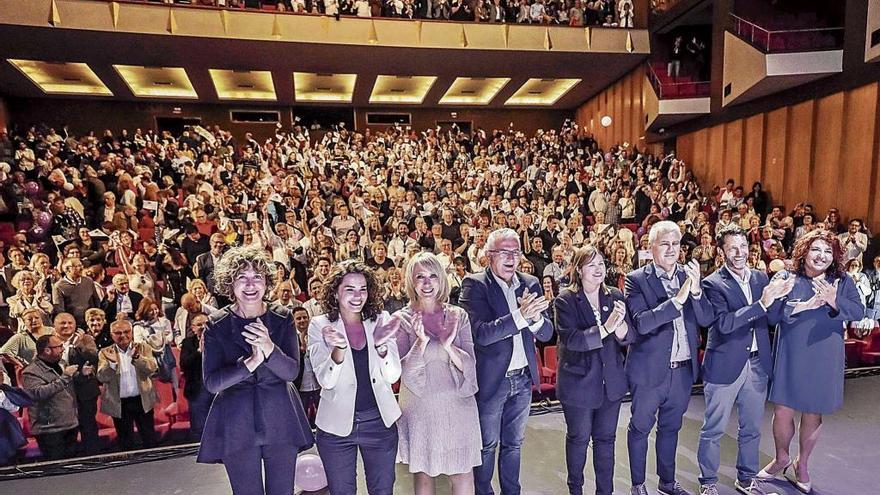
(250, 359)
(49, 382)
(81, 350)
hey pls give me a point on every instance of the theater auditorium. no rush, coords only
(379, 247)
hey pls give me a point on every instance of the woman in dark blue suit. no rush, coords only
(593, 330)
(251, 358)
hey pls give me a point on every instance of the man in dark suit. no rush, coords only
(204, 266)
(738, 361)
(120, 299)
(667, 308)
(506, 310)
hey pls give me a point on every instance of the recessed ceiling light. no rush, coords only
(64, 78)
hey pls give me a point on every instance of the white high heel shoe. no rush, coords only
(765, 475)
(802, 486)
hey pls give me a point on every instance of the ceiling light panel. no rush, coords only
(62, 78)
(401, 89)
(157, 82)
(473, 90)
(541, 92)
(326, 88)
(243, 84)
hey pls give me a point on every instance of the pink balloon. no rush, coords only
(310, 475)
(44, 219)
(32, 188)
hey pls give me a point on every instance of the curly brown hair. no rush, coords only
(802, 247)
(330, 302)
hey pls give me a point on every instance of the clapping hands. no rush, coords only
(532, 304)
(257, 335)
(825, 292)
(386, 328)
(617, 316)
(777, 289)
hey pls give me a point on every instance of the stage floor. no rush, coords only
(845, 461)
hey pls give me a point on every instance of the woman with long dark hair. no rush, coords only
(809, 367)
(593, 328)
(355, 359)
(250, 359)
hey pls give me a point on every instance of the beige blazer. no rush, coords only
(145, 367)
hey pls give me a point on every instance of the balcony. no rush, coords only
(760, 60)
(671, 100)
(212, 55)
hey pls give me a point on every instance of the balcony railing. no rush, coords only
(787, 40)
(270, 7)
(668, 87)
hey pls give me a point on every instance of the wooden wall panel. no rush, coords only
(825, 151)
(733, 133)
(775, 153)
(716, 154)
(700, 160)
(753, 150)
(623, 102)
(799, 143)
(856, 152)
(824, 181)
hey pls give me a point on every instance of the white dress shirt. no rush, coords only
(128, 386)
(681, 350)
(746, 289)
(518, 358)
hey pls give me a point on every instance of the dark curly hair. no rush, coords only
(802, 247)
(330, 303)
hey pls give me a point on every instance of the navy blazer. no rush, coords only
(730, 335)
(492, 326)
(251, 408)
(653, 313)
(590, 369)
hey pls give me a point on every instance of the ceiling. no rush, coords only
(139, 67)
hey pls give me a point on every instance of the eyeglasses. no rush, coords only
(507, 253)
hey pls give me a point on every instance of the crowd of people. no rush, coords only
(375, 245)
(607, 13)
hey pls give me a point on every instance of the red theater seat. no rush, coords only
(550, 364)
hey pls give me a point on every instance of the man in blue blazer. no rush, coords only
(738, 361)
(667, 308)
(506, 310)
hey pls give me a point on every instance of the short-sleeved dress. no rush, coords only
(809, 366)
(439, 429)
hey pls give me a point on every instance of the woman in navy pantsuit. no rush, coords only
(593, 329)
(355, 358)
(250, 360)
(809, 366)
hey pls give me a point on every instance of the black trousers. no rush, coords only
(245, 471)
(133, 413)
(58, 445)
(86, 412)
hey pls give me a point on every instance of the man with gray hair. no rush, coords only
(668, 308)
(506, 309)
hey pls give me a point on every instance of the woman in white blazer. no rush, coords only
(355, 360)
